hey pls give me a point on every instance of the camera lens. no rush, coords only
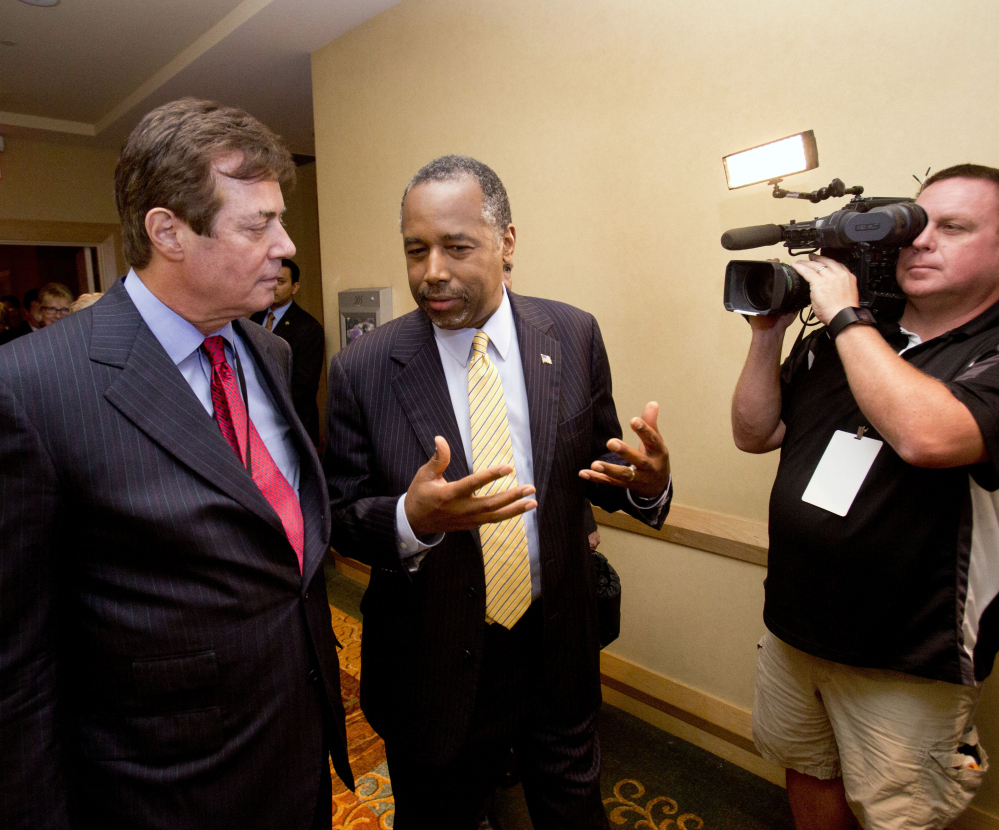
(760, 288)
(763, 288)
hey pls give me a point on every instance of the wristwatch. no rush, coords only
(847, 317)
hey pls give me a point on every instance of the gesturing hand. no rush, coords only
(648, 473)
(434, 505)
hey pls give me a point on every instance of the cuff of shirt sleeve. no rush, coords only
(643, 503)
(406, 542)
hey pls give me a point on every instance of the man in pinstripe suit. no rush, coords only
(166, 654)
(449, 683)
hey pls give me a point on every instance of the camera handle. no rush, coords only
(835, 189)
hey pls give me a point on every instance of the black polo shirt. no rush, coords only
(906, 580)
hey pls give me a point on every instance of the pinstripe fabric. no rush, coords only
(423, 632)
(144, 575)
(504, 544)
(242, 437)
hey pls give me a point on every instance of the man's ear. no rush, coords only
(294, 288)
(509, 243)
(163, 227)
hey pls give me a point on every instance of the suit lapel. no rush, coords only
(421, 388)
(151, 392)
(290, 317)
(542, 380)
(312, 495)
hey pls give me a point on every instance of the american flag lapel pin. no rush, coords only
(546, 359)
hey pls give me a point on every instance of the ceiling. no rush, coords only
(87, 70)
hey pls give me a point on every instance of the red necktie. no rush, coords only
(230, 415)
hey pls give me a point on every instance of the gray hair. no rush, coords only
(495, 202)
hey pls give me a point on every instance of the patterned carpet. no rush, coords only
(370, 805)
(651, 780)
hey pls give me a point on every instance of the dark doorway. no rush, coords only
(31, 266)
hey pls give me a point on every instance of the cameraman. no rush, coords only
(881, 622)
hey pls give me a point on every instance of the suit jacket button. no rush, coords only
(471, 591)
(466, 654)
(306, 593)
(313, 676)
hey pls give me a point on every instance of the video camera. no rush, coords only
(866, 236)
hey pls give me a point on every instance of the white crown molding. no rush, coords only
(54, 125)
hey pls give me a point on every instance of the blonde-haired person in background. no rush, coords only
(85, 300)
(54, 300)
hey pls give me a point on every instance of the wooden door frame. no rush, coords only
(105, 238)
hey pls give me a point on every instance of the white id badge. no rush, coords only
(842, 469)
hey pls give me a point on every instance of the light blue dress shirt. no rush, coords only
(278, 313)
(182, 342)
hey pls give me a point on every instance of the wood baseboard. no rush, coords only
(357, 571)
(975, 819)
(701, 710)
(706, 721)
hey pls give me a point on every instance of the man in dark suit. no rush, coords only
(166, 654)
(480, 627)
(304, 334)
(29, 318)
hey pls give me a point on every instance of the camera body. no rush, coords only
(865, 236)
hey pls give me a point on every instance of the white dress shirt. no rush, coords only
(455, 347)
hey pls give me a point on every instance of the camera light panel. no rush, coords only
(772, 160)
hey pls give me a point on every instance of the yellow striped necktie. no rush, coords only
(504, 544)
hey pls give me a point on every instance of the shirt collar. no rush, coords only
(499, 327)
(983, 322)
(279, 312)
(988, 319)
(177, 336)
(914, 339)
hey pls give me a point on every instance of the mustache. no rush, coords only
(445, 293)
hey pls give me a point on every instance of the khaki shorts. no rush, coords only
(893, 737)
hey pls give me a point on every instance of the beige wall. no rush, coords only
(607, 121)
(302, 222)
(42, 181)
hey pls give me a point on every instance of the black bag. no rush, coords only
(608, 600)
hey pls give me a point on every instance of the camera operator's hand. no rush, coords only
(831, 285)
(777, 323)
(756, 404)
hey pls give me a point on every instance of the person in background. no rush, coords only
(31, 309)
(304, 334)
(85, 301)
(12, 312)
(54, 300)
(25, 322)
